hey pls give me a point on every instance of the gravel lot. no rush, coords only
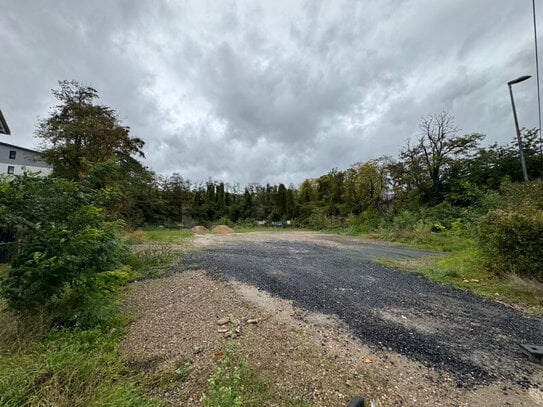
(471, 339)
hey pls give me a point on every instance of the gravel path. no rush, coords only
(446, 329)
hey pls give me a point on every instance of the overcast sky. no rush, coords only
(272, 91)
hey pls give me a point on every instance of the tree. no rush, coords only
(364, 186)
(427, 163)
(79, 133)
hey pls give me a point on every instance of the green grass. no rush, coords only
(65, 367)
(150, 261)
(174, 236)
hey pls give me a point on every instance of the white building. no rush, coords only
(16, 160)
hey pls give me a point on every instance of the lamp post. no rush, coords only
(520, 148)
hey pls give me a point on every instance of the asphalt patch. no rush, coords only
(472, 338)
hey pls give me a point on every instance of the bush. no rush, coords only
(444, 214)
(362, 223)
(405, 220)
(512, 241)
(70, 256)
(523, 194)
(510, 235)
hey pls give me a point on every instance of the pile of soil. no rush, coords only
(222, 229)
(199, 230)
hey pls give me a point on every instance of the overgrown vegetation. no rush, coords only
(65, 366)
(511, 235)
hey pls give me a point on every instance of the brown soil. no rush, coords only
(304, 356)
(199, 229)
(222, 229)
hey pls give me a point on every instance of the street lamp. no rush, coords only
(520, 148)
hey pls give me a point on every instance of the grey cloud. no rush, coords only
(272, 91)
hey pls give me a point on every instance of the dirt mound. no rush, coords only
(221, 229)
(199, 229)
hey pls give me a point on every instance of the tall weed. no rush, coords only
(64, 367)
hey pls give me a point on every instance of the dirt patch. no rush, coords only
(199, 229)
(222, 229)
(176, 319)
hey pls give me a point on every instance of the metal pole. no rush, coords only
(520, 147)
(537, 78)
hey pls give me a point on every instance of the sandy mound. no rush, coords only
(199, 229)
(221, 229)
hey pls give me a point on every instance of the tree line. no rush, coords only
(440, 166)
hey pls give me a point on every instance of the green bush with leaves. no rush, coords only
(69, 256)
(510, 235)
(512, 241)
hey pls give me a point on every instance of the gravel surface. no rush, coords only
(471, 339)
(177, 319)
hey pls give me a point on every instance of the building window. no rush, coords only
(11, 169)
(12, 154)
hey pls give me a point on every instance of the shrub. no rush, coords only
(405, 219)
(362, 223)
(70, 256)
(510, 235)
(512, 241)
(523, 194)
(443, 214)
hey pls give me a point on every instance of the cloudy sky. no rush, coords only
(269, 90)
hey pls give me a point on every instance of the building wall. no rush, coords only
(16, 160)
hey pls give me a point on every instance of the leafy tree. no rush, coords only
(427, 164)
(281, 200)
(307, 192)
(80, 132)
(221, 200)
(329, 188)
(363, 187)
(491, 165)
(290, 202)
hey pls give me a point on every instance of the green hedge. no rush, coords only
(512, 240)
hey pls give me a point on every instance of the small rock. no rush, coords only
(223, 321)
(222, 330)
(198, 349)
(252, 321)
(230, 334)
